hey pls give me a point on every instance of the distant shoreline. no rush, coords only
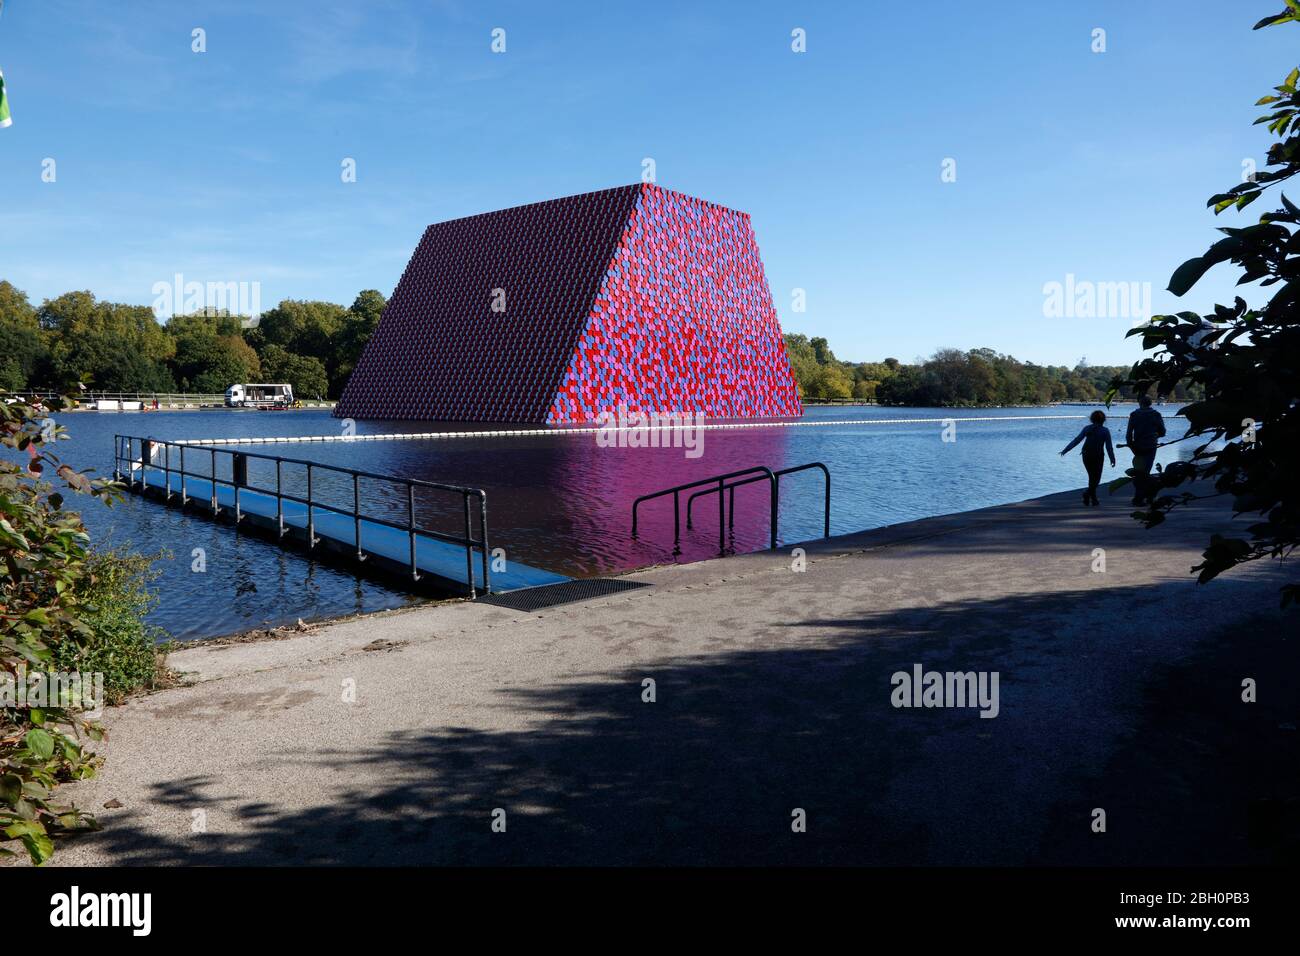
(850, 403)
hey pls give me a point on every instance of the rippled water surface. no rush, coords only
(563, 503)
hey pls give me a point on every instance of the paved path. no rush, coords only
(1116, 690)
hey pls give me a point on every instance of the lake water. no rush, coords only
(563, 503)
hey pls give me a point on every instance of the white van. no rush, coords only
(259, 396)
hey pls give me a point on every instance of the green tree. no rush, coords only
(304, 372)
(358, 326)
(127, 370)
(803, 362)
(822, 351)
(108, 346)
(1247, 425)
(304, 328)
(831, 382)
(211, 355)
(22, 349)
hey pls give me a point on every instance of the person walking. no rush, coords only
(1146, 427)
(1096, 445)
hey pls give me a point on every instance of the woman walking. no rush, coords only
(1096, 443)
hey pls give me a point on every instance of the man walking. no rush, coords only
(1146, 427)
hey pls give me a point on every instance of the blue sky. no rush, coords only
(225, 165)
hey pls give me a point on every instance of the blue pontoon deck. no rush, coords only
(461, 560)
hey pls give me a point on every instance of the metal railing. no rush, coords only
(776, 477)
(163, 398)
(727, 505)
(125, 447)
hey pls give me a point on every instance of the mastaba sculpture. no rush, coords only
(636, 297)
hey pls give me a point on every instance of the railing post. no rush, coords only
(722, 520)
(410, 527)
(238, 464)
(167, 472)
(184, 500)
(482, 524)
(469, 547)
(311, 517)
(677, 527)
(279, 502)
(827, 529)
(216, 509)
(356, 514)
(146, 452)
(775, 484)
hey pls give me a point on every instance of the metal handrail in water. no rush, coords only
(731, 490)
(727, 508)
(239, 479)
(759, 472)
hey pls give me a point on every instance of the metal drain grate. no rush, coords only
(553, 595)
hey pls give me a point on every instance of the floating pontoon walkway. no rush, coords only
(460, 560)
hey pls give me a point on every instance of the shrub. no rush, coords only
(122, 645)
(44, 588)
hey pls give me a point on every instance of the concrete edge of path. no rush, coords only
(331, 640)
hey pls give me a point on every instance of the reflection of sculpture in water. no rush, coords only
(564, 503)
(593, 489)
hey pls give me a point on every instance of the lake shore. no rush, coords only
(393, 738)
(562, 502)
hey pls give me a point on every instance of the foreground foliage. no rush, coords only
(1247, 360)
(123, 646)
(47, 580)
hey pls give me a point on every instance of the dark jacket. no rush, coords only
(1094, 438)
(1146, 427)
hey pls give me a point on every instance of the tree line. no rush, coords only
(76, 339)
(951, 377)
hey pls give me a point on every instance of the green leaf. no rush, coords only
(11, 789)
(39, 847)
(1275, 18)
(1188, 274)
(20, 828)
(40, 743)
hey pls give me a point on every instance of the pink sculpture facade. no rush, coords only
(637, 297)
